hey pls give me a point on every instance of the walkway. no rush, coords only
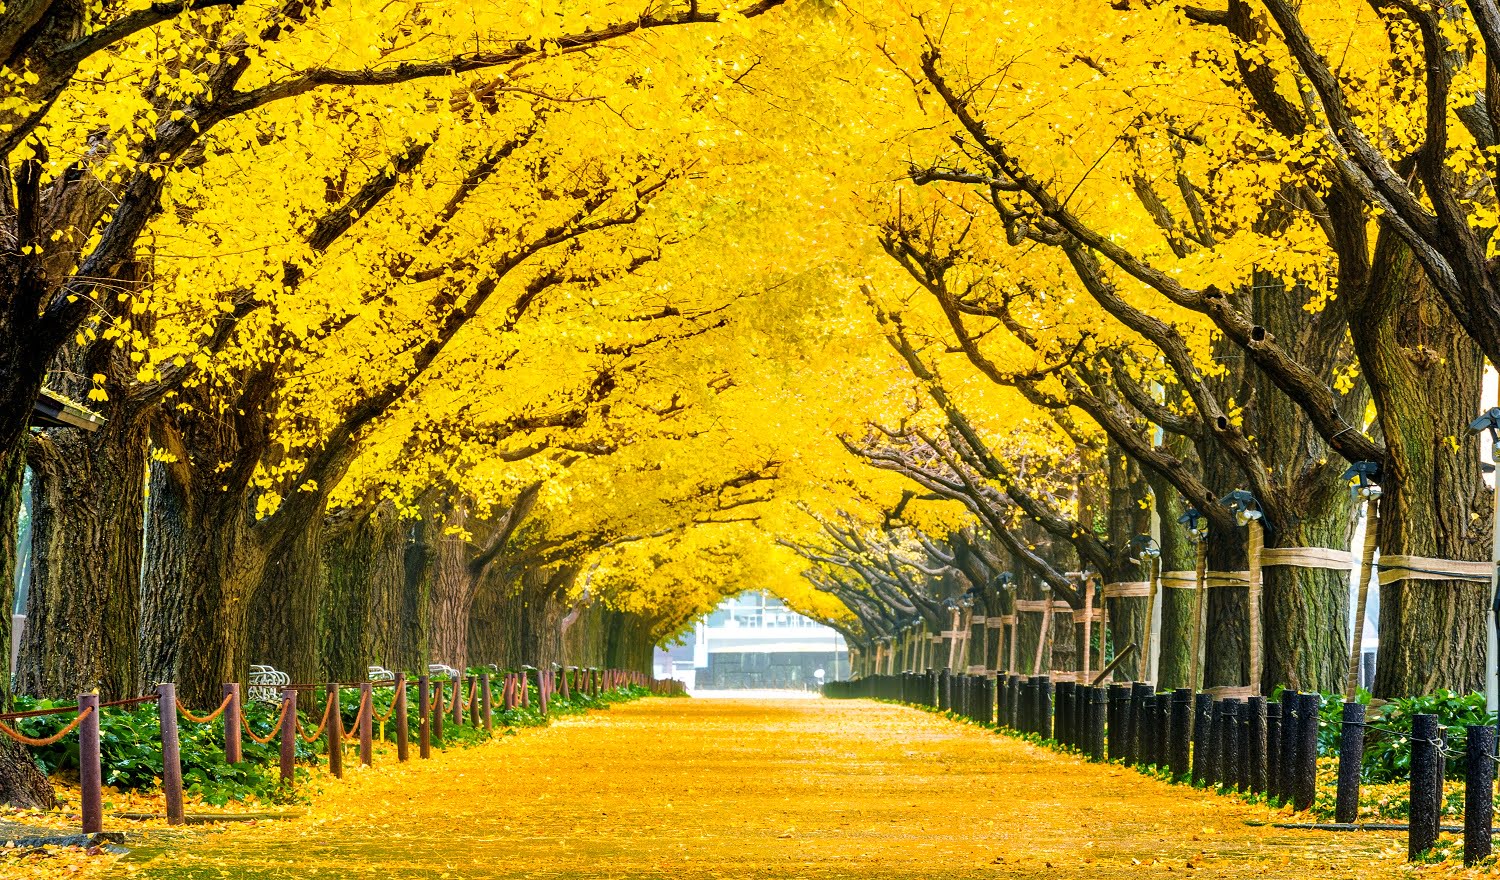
(755, 789)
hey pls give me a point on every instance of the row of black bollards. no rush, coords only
(1251, 745)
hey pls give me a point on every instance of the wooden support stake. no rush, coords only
(171, 754)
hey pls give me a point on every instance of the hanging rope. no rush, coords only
(245, 720)
(353, 734)
(381, 719)
(323, 723)
(25, 740)
(204, 719)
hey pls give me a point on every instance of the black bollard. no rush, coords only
(1013, 683)
(1479, 787)
(1002, 704)
(1257, 733)
(1065, 714)
(945, 691)
(1202, 722)
(1082, 697)
(1242, 725)
(1351, 754)
(1098, 710)
(1232, 740)
(1425, 781)
(1139, 722)
(1217, 737)
(931, 691)
(1163, 751)
(1149, 741)
(1116, 723)
(1287, 768)
(1273, 752)
(1305, 787)
(991, 688)
(1044, 713)
(1180, 749)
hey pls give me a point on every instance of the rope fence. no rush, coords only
(288, 728)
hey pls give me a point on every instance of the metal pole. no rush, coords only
(366, 723)
(334, 732)
(233, 748)
(90, 773)
(288, 736)
(171, 754)
(403, 723)
(424, 715)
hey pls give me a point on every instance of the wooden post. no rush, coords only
(335, 732)
(473, 701)
(458, 699)
(437, 712)
(90, 773)
(1088, 631)
(484, 701)
(288, 736)
(543, 680)
(399, 716)
(171, 754)
(366, 722)
(424, 713)
(233, 748)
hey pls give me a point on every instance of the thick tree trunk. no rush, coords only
(452, 593)
(1177, 554)
(1129, 516)
(413, 639)
(542, 610)
(202, 567)
(362, 613)
(495, 621)
(1426, 378)
(284, 608)
(83, 605)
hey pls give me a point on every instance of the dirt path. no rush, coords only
(806, 788)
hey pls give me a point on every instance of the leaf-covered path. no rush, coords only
(726, 788)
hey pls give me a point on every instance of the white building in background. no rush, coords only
(755, 641)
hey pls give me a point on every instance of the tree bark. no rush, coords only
(361, 616)
(83, 605)
(1426, 377)
(285, 604)
(21, 783)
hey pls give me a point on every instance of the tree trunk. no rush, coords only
(284, 608)
(21, 783)
(362, 613)
(542, 592)
(1177, 554)
(1426, 377)
(452, 592)
(83, 605)
(202, 568)
(412, 645)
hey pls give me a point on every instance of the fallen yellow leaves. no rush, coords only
(808, 789)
